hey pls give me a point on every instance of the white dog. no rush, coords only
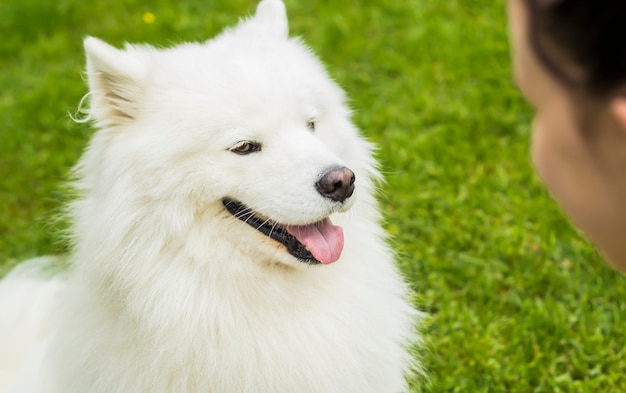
(226, 234)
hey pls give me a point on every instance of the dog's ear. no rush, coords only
(115, 83)
(270, 19)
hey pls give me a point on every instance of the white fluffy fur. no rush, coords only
(168, 292)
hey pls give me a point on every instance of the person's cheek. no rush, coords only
(552, 165)
(564, 171)
(556, 153)
(540, 152)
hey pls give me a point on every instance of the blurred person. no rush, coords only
(570, 64)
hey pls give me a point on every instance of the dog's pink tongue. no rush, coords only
(323, 239)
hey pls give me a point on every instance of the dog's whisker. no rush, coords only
(273, 227)
(263, 224)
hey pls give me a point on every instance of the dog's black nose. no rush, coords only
(336, 184)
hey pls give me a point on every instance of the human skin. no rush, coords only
(578, 143)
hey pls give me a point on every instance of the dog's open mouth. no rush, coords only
(320, 242)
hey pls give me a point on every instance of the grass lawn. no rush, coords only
(519, 302)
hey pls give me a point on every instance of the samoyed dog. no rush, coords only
(226, 235)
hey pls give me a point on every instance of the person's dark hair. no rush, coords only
(591, 33)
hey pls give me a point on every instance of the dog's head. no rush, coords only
(247, 130)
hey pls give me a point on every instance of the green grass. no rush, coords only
(519, 302)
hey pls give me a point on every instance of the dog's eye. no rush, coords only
(246, 147)
(311, 124)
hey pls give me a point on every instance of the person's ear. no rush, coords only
(618, 110)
